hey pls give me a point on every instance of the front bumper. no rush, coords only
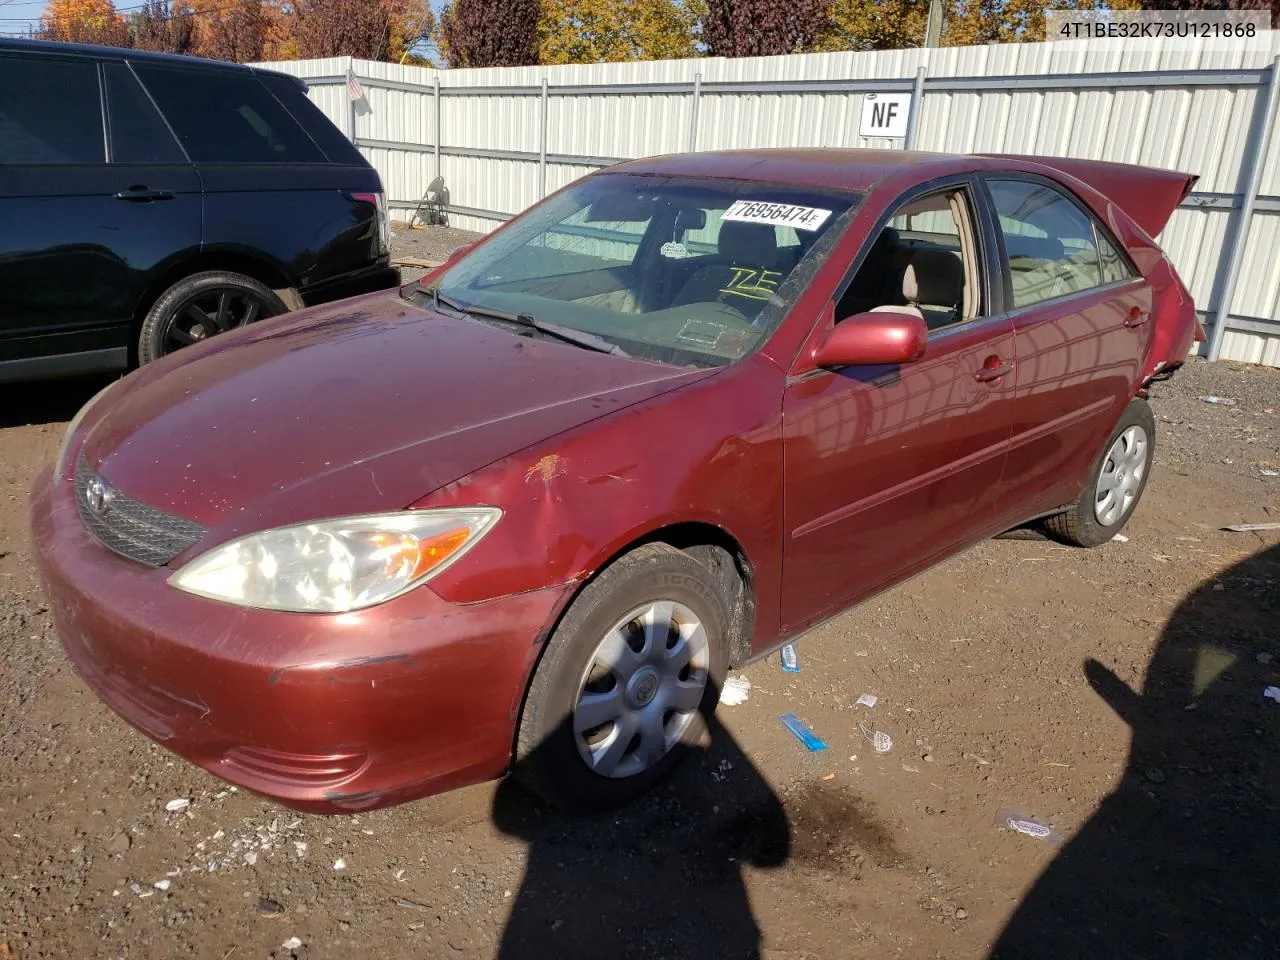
(324, 713)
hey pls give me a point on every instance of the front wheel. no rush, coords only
(626, 681)
(1115, 484)
(202, 306)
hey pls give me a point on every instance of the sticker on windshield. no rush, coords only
(702, 332)
(673, 250)
(779, 214)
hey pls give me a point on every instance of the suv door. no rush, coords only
(890, 468)
(271, 185)
(81, 233)
(1080, 313)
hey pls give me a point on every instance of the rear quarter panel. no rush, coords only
(296, 214)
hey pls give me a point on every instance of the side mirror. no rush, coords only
(874, 338)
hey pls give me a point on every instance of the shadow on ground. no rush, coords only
(47, 401)
(660, 878)
(1183, 858)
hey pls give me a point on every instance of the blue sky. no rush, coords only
(17, 15)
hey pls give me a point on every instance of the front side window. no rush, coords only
(227, 117)
(1049, 241)
(50, 111)
(666, 268)
(924, 261)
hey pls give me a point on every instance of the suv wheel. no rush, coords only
(201, 306)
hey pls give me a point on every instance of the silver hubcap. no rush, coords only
(641, 689)
(1121, 476)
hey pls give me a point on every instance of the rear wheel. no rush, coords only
(202, 306)
(1115, 484)
(626, 682)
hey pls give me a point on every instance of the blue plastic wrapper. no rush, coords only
(790, 662)
(812, 742)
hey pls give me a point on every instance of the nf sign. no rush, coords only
(885, 115)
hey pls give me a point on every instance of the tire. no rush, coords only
(1094, 519)
(204, 305)
(552, 749)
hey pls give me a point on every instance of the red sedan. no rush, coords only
(529, 511)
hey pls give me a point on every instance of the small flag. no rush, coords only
(354, 90)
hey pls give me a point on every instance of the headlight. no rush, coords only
(332, 566)
(64, 449)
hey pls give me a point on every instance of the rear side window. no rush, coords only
(1115, 267)
(1049, 240)
(332, 141)
(227, 117)
(137, 132)
(50, 111)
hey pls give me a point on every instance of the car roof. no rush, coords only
(836, 168)
(55, 47)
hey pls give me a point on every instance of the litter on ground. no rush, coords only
(801, 731)
(1012, 820)
(790, 662)
(736, 690)
(1247, 527)
(868, 699)
(879, 740)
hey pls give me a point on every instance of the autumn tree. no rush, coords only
(162, 26)
(490, 33)
(367, 29)
(873, 25)
(233, 33)
(615, 31)
(1211, 5)
(83, 21)
(761, 28)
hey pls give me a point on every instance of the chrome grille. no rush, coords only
(130, 528)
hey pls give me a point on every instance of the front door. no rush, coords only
(888, 468)
(80, 228)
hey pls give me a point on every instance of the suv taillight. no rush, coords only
(380, 211)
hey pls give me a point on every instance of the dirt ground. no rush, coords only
(1115, 695)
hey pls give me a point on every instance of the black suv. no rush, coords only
(148, 201)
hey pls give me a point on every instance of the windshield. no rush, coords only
(666, 268)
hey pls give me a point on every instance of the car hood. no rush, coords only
(358, 407)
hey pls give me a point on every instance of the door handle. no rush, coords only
(141, 194)
(1136, 318)
(993, 369)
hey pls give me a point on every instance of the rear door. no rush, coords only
(1081, 322)
(269, 186)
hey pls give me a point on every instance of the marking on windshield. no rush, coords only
(785, 214)
(752, 283)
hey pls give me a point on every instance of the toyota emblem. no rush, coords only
(97, 496)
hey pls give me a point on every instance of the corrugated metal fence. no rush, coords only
(503, 138)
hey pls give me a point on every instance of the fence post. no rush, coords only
(438, 135)
(917, 101)
(693, 112)
(542, 146)
(1234, 251)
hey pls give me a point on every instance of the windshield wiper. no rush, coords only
(568, 334)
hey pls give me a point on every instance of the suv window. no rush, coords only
(329, 138)
(227, 117)
(50, 111)
(138, 132)
(1050, 242)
